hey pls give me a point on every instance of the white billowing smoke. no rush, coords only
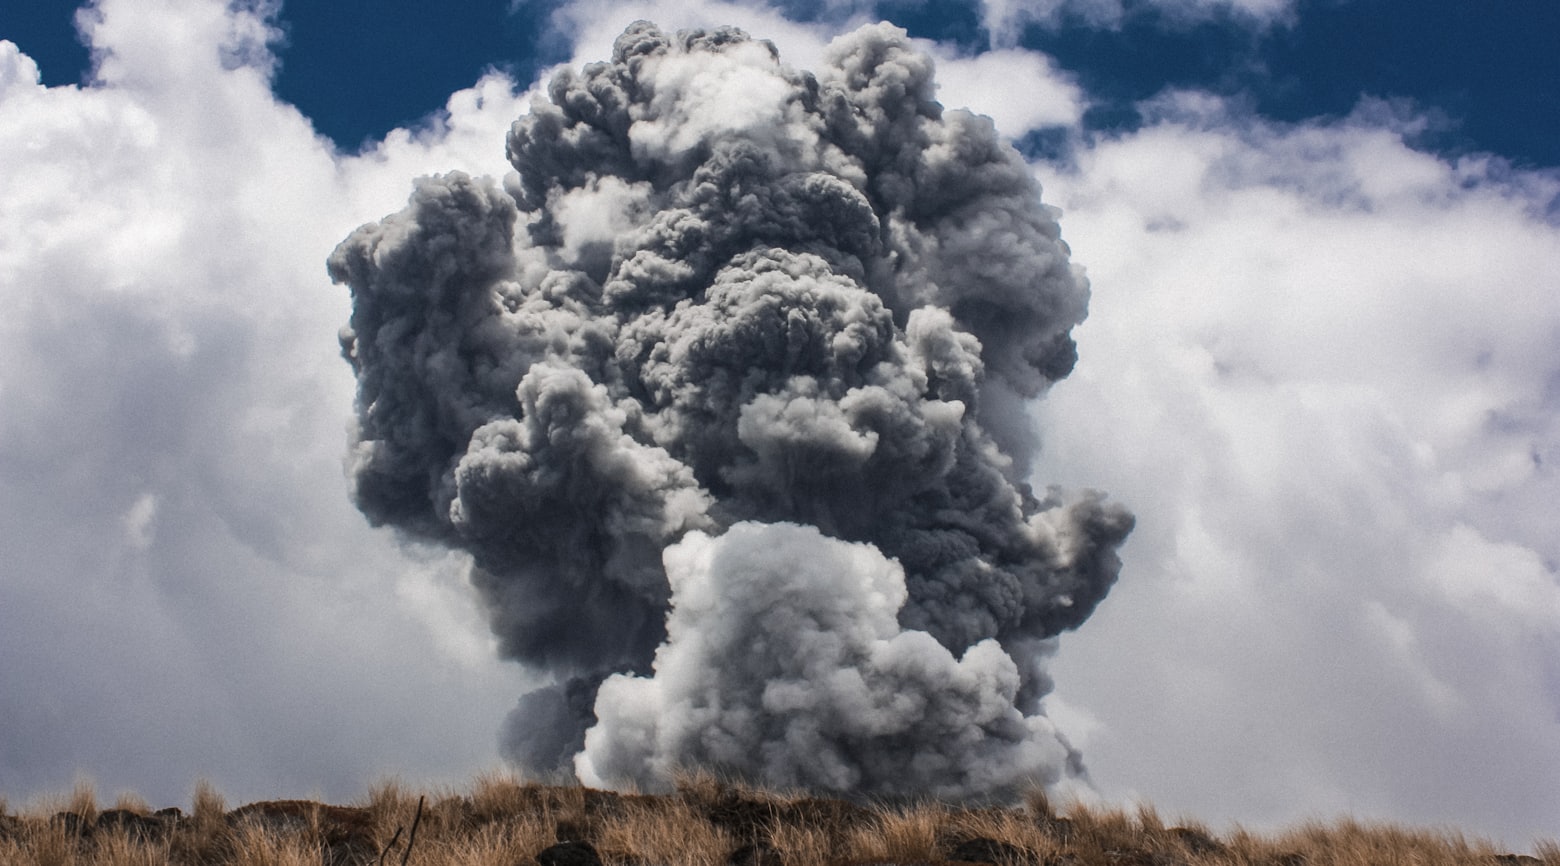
(724, 390)
(784, 657)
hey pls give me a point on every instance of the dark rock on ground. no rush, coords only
(139, 827)
(72, 823)
(980, 849)
(569, 854)
(756, 854)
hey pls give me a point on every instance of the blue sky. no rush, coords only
(1320, 366)
(1490, 72)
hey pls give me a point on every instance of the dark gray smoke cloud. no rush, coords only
(723, 391)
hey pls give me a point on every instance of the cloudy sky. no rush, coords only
(1322, 366)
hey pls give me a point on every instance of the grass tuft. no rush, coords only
(673, 832)
(83, 801)
(903, 834)
(129, 801)
(207, 806)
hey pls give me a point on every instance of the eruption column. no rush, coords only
(723, 392)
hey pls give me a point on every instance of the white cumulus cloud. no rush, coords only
(185, 589)
(1321, 367)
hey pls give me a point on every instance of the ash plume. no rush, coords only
(723, 391)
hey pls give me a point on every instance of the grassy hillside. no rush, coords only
(503, 821)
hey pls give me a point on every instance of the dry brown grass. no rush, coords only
(903, 834)
(129, 801)
(1352, 843)
(1016, 827)
(802, 846)
(256, 844)
(673, 832)
(503, 820)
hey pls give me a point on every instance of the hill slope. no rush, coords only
(503, 821)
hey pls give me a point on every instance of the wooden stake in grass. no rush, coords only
(411, 838)
(389, 846)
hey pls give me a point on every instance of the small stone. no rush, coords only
(758, 854)
(137, 826)
(72, 823)
(995, 852)
(569, 854)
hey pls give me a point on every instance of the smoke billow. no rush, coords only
(723, 390)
